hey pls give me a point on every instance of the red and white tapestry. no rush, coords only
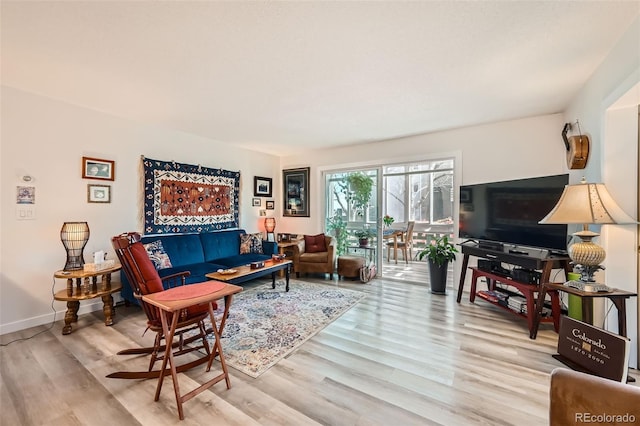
(188, 198)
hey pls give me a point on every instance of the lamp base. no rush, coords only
(74, 263)
(586, 255)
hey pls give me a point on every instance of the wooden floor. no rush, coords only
(402, 356)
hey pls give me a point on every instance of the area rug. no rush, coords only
(265, 325)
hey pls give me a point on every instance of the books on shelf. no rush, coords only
(518, 304)
(593, 349)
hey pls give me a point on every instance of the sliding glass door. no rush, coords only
(352, 212)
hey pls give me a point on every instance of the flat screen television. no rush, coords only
(508, 212)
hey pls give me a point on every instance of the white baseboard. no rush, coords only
(92, 306)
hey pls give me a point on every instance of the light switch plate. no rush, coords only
(26, 212)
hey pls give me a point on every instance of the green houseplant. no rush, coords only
(359, 189)
(363, 236)
(439, 252)
(338, 226)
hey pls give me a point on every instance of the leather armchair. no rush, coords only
(318, 262)
(579, 398)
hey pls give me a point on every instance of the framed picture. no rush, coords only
(296, 192)
(466, 196)
(270, 204)
(256, 202)
(98, 193)
(262, 186)
(95, 168)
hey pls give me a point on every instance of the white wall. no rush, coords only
(47, 139)
(607, 110)
(512, 149)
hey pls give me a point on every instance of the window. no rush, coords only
(420, 192)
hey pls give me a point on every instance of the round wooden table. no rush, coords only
(87, 287)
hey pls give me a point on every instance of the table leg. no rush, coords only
(555, 310)
(273, 279)
(287, 273)
(217, 331)
(395, 248)
(463, 274)
(168, 358)
(533, 332)
(107, 309)
(70, 316)
(474, 280)
(587, 310)
(620, 304)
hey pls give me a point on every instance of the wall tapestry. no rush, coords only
(186, 198)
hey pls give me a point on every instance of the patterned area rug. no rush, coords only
(265, 325)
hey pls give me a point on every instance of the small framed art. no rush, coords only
(270, 204)
(256, 202)
(95, 168)
(262, 186)
(98, 193)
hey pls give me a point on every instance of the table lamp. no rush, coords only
(74, 236)
(270, 227)
(586, 203)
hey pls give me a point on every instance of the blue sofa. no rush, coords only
(201, 254)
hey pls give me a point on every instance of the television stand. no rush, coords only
(543, 261)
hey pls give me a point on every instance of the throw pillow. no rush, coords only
(251, 243)
(158, 256)
(314, 243)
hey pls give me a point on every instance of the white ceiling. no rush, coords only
(285, 76)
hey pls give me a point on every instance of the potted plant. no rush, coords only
(388, 220)
(339, 228)
(439, 252)
(363, 236)
(359, 189)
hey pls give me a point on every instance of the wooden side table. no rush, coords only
(617, 297)
(284, 246)
(87, 287)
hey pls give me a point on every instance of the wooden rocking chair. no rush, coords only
(145, 280)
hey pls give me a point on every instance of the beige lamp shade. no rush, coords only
(586, 203)
(74, 236)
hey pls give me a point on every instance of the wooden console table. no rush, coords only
(529, 291)
(532, 259)
(86, 288)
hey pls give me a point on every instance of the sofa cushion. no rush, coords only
(219, 244)
(183, 249)
(158, 256)
(251, 243)
(241, 259)
(321, 257)
(314, 243)
(198, 271)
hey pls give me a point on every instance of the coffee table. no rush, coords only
(245, 273)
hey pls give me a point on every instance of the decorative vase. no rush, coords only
(364, 242)
(438, 277)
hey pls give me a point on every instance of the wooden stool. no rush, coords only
(349, 266)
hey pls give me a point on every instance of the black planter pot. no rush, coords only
(438, 276)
